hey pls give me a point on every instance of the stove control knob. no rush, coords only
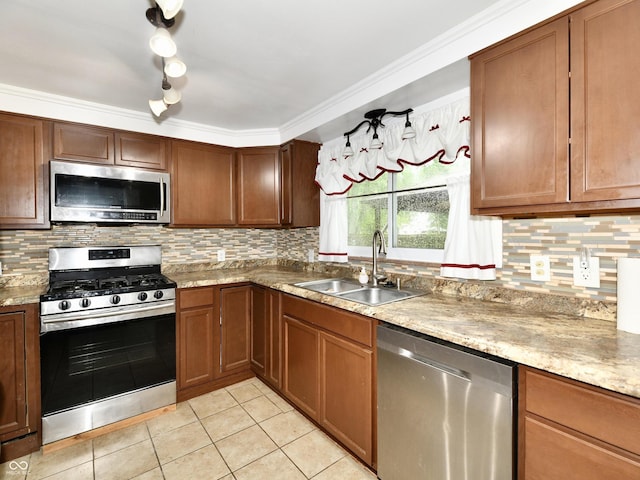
(142, 296)
(64, 305)
(85, 302)
(158, 294)
(115, 299)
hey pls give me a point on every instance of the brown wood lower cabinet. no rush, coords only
(266, 349)
(212, 338)
(569, 430)
(19, 381)
(328, 370)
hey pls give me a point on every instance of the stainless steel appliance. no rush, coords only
(107, 343)
(102, 193)
(443, 413)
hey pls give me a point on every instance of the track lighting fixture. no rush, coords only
(373, 120)
(162, 17)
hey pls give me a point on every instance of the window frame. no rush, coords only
(418, 255)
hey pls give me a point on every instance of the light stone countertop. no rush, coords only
(585, 349)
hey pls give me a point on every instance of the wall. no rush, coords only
(608, 237)
(24, 253)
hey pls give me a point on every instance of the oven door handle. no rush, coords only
(65, 321)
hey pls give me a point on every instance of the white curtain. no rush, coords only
(441, 134)
(334, 228)
(473, 247)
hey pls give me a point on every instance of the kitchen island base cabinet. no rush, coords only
(328, 364)
(569, 430)
(211, 320)
(19, 381)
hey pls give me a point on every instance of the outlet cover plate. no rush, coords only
(586, 277)
(540, 268)
(221, 255)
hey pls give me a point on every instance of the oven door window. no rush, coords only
(83, 365)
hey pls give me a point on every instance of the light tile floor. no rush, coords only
(242, 432)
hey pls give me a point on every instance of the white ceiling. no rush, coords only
(258, 70)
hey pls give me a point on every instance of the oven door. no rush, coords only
(96, 375)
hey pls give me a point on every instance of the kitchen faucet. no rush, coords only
(375, 276)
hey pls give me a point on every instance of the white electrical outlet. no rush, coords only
(221, 255)
(311, 255)
(540, 268)
(0, 269)
(586, 276)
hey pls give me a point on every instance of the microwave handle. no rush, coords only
(162, 205)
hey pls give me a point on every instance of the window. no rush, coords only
(411, 208)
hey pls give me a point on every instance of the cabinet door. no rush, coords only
(605, 100)
(203, 184)
(83, 143)
(198, 346)
(258, 186)
(274, 336)
(235, 326)
(346, 376)
(305, 193)
(259, 327)
(138, 150)
(301, 369)
(13, 381)
(23, 179)
(519, 111)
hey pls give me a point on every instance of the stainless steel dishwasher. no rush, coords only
(443, 413)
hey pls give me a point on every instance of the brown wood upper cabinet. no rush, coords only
(300, 196)
(552, 115)
(258, 186)
(85, 143)
(24, 152)
(203, 186)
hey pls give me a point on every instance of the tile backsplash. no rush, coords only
(25, 252)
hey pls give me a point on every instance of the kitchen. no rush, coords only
(24, 259)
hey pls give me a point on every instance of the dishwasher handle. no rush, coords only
(403, 352)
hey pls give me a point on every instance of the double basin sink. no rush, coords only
(350, 289)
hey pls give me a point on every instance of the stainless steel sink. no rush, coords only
(350, 289)
(332, 286)
(379, 295)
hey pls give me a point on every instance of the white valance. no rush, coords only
(441, 134)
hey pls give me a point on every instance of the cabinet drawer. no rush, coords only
(349, 325)
(610, 417)
(552, 454)
(196, 297)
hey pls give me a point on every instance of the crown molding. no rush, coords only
(493, 24)
(57, 107)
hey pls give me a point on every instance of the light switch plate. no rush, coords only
(221, 255)
(311, 255)
(540, 268)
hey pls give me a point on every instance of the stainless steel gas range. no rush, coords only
(107, 343)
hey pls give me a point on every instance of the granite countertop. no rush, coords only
(585, 349)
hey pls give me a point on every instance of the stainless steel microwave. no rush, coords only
(100, 193)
